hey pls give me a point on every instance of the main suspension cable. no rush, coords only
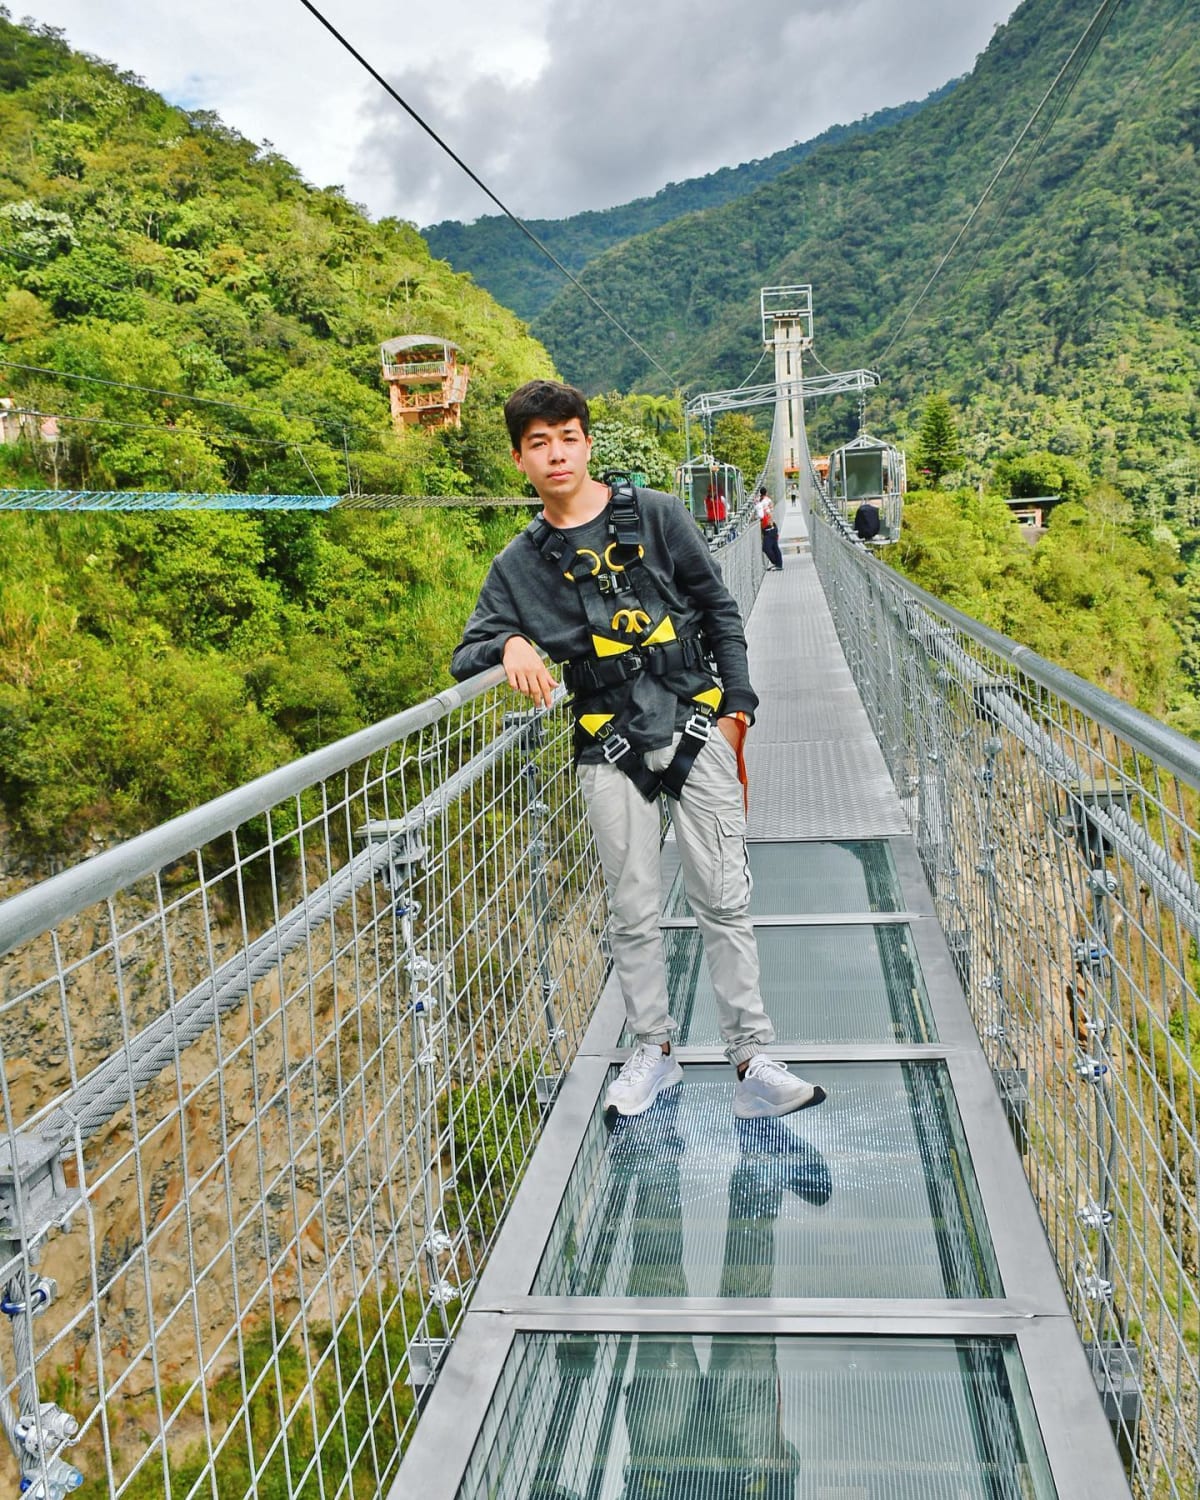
(483, 187)
(1101, 18)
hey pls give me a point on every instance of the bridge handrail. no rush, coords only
(1179, 754)
(53, 900)
(1174, 750)
(1059, 829)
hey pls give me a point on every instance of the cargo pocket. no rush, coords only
(731, 875)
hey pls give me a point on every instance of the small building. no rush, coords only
(17, 422)
(1030, 513)
(426, 383)
(12, 420)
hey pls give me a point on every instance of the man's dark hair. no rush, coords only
(546, 401)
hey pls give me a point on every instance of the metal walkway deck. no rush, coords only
(857, 1301)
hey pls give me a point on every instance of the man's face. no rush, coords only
(554, 457)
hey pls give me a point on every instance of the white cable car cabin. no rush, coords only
(712, 491)
(866, 475)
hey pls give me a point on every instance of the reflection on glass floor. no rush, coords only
(752, 1417)
(870, 1195)
(819, 984)
(798, 878)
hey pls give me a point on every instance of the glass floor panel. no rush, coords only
(871, 1194)
(626, 1416)
(799, 878)
(819, 984)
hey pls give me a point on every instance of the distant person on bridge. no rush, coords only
(866, 521)
(764, 509)
(618, 585)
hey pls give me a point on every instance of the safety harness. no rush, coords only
(632, 633)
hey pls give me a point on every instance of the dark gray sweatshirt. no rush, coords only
(526, 595)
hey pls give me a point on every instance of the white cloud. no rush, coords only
(558, 107)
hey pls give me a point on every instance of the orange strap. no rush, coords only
(740, 751)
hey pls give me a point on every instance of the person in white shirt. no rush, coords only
(764, 509)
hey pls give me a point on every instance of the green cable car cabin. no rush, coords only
(714, 492)
(867, 480)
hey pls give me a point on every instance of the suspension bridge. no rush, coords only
(307, 1189)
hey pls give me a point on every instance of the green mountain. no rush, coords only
(148, 662)
(148, 245)
(1068, 316)
(516, 273)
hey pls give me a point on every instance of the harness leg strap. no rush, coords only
(694, 738)
(620, 753)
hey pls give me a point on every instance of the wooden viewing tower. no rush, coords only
(426, 383)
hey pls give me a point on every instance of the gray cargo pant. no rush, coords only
(710, 828)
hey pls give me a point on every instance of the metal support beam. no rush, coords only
(835, 383)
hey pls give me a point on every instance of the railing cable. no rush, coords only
(1014, 186)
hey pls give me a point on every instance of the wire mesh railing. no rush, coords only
(1059, 830)
(269, 1077)
(270, 1074)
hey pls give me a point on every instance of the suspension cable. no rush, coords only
(479, 183)
(154, 390)
(168, 429)
(1015, 184)
(1101, 18)
(1165, 181)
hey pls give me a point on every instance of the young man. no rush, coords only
(618, 585)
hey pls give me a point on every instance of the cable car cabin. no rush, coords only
(713, 492)
(864, 476)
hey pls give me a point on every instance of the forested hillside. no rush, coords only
(147, 663)
(228, 315)
(1068, 315)
(510, 266)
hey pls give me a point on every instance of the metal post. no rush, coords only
(40, 1430)
(996, 1027)
(1103, 885)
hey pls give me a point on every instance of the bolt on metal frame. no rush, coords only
(1059, 830)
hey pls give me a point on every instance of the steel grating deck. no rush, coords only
(857, 1301)
(816, 771)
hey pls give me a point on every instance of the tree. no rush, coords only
(1022, 475)
(738, 441)
(938, 443)
(659, 412)
(618, 445)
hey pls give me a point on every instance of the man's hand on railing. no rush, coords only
(526, 671)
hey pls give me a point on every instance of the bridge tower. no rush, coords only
(787, 330)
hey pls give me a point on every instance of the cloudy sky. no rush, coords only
(559, 105)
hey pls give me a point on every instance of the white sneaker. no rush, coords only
(769, 1089)
(642, 1079)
